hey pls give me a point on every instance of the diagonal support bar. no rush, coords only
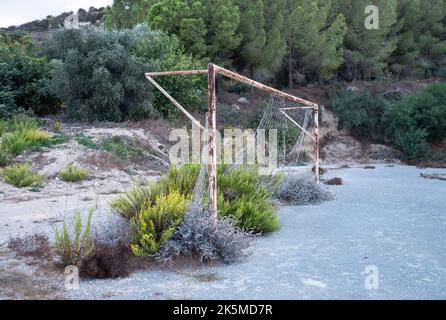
(175, 102)
(297, 124)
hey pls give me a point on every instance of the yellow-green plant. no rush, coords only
(130, 204)
(155, 224)
(34, 136)
(73, 247)
(73, 173)
(21, 176)
(57, 126)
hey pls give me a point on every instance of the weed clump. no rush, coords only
(130, 204)
(201, 237)
(155, 224)
(75, 244)
(21, 176)
(73, 173)
(302, 190)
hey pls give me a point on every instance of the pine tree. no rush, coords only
(125, 14)
(275, 49)
(314, 37)
(368, 51)
(206, 28)
(252, 30)
(421, 33)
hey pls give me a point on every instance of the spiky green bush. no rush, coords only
(21, 133)
(133, 201)
(155, 224)
(242, 195)
(74, 244)
(21, 176)
(73, 173)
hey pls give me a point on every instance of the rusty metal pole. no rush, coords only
(212, 130)
(316, 143)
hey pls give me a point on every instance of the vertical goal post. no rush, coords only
(212, 72)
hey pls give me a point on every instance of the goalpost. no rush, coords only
(212, 72)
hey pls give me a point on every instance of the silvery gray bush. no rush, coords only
(199, 236)
(302, 190)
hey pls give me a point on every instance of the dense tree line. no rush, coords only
(301, 40)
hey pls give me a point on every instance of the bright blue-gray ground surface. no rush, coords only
(389, 217)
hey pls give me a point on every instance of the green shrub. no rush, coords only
(21, 176)
(132, 202)
(101, 73)
(73, 173)
(86, 142)
(424, 110)
(14, 144)
(155, 224)
(24, 78)
(243, 196)
(3, 127)
(122, 147)
(181, 179)
(361, 113)
(72, 246)
(57, 126)
(413, 144)
(22, 133)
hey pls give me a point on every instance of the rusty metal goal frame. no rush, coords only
(212, 72)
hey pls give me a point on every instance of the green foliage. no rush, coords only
(243, 196)
(412, 143)
(361, 113)
(101, 76)
(155, 224)
(75, 244)
(21, 176)
(206, 28)
(252, 28)
(126, 14)
(368, 51)
(98, 78)
(165, 52)
(421, 30)
(22, 133)
(73, 173)
(314, 37)
(424, 109)
(24, 78)
(133, 201)
(122, 147)
(86, 141)
(57, 126)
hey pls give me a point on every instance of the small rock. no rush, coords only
(243, 101)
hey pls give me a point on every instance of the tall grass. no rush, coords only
(73, 173)
(23, 133)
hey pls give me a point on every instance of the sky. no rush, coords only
(16, 12)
